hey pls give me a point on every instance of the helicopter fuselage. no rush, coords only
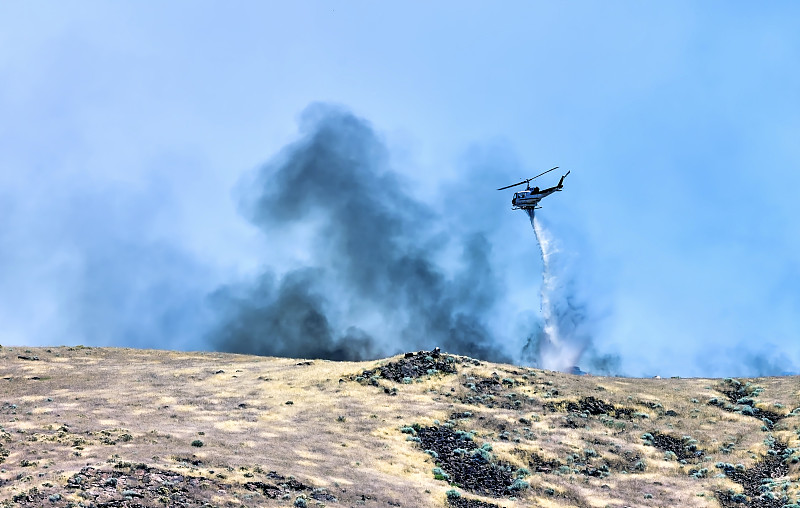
(528, 199)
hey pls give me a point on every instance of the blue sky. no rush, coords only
(127, 126)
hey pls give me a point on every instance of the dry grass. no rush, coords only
(87, 406)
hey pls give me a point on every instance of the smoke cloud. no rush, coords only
(85, 265)
(143, 250)
(370, 284)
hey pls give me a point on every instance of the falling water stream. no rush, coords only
(552, 350)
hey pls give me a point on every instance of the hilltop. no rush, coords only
(110, 427)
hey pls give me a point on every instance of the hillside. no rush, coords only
(122, 427)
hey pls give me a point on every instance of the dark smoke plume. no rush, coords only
(371, 285)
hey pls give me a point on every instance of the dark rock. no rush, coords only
(592, 406)
(414, 365)
(469, 466)
(753, 479)
(463, 502)
(684, 449)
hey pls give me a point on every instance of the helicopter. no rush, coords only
(529, 198)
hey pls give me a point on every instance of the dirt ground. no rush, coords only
(124, 427)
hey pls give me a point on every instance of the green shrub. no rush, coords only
(484, 455)
(439, 474)
(197, 443)
(519, 484)
(466, 436)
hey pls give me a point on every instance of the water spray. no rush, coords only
(552, 349)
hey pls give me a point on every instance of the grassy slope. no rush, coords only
(99, 407)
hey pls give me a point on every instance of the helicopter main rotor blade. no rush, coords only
(509, 186)
(549, 170)
(528, 180)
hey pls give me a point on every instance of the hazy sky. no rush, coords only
(128, 129)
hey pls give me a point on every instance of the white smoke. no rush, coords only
(558, 344)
